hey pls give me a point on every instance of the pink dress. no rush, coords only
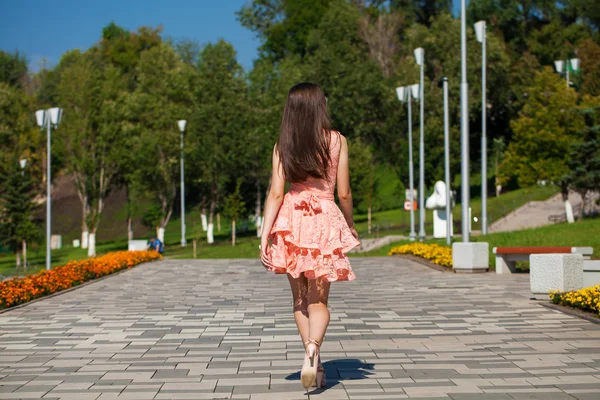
(310, 234)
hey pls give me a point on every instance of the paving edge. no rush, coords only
(424, 262)
(5, 310)
(574, 312)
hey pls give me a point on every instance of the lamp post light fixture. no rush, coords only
(23, 164)
(181, 124)
(48, 118)
(404, 95)
(480, 30)
(573, 63)
(420, 59)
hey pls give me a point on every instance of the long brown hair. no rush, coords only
(304, 134)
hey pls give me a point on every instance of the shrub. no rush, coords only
(587, 299)
(441, 255)
(21, 290)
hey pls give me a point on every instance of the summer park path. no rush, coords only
(224, 329)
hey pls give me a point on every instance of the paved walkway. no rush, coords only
(224, 329)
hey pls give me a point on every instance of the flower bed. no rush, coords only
(435, 253)
(21, 290)
(587, 299)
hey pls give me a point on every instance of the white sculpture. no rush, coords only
(437, 202)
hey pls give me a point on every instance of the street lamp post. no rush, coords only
(420, 59)
(464, 123)
(404, 95)
(48, 118)
(23, 164)
(480, 30)
(447, 162)
(181, 124)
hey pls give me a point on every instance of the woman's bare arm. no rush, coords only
(274, 199)
(343, 186)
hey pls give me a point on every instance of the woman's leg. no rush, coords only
(318, 314)
(300, 300)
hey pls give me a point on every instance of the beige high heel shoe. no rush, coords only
(321, 379)
(308, 375)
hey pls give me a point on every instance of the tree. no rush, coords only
(162, 96)
(584, 157)
(89, 133)
(269, 84)
(17, 205)
(13, 69)
(362, 176)
(284, 25)
(235, 207)
(218, 125)
(422, 11)
(543, 132)
(589, 52)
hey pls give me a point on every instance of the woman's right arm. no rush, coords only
(343, 186)
(274, 199)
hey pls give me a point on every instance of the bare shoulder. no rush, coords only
(342, 137)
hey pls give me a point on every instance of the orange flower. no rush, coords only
(21, 290)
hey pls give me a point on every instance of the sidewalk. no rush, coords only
(204, 329)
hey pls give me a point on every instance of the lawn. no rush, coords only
(582, 233)
(384, 223)
(397, 222)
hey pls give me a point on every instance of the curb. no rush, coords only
(5, 310)
(425, 262)
(574, 312)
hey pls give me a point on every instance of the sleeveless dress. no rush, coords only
(310, 235)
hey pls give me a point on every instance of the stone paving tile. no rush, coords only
(223, 329)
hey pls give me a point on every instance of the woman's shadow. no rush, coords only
(339, 370)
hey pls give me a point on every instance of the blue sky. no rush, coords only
(47, 29)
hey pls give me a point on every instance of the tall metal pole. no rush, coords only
(48, 196)
(183, 241)
(464, 123)
(422, 155)
(484, 223)
(413, 234)
(447, 163)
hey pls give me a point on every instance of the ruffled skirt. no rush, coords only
(310, 236)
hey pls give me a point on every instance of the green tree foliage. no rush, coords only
(16, 200)
(235, 207)
(18, 136)
(543, 132)
(362, 174)
(13, 68)
(89, 133)
(218, 123)
(584, 156)
(589, 53)
(162, 96)
(422, 11)
(283, 24)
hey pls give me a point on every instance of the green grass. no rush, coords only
(389, 222)
(581, 233)
(36, 258)
(397, 222)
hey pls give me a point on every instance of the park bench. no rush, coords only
(137, 245)
(507, 257)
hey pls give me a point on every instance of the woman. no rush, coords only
(304, 233)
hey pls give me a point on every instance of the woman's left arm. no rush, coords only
(274, 199)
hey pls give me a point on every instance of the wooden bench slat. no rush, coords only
(532, 250)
